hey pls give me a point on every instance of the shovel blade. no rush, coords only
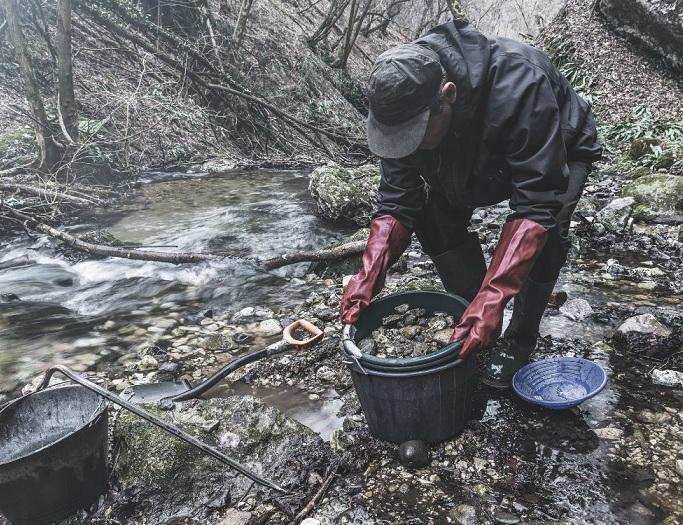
(151, 393)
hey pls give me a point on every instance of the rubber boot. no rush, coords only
(462, 268)
(512, 352)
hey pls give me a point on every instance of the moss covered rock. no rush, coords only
(161, 478)
(658, 198)
(641, 147)
(345, 194)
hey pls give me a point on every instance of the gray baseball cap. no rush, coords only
(402, 89)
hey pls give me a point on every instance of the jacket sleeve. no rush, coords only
(528, 118)
(401, 191)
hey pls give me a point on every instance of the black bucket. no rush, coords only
(53, 455)
(426, 397)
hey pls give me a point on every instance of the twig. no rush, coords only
(314, 500)
(45, 193)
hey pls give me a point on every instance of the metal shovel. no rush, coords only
(183, 391)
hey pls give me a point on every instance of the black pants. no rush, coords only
(441, 227)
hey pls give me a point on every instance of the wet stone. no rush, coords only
(670, 378)
(414, 454)
(463, 514)
(505, 518)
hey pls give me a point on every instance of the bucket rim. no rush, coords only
(96, 415)
(349, 333)
(355, 366)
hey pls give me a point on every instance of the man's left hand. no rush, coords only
(521, 240)
(481, 323)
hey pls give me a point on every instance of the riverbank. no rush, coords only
(616, 458)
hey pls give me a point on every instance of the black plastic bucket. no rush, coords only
(426, 397)
(53, 455)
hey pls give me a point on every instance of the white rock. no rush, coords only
(325, 373)
(609, 433)
(346, 279)
(576, 309)
(616, 214)
(253, 313)
(644, 324)
(671, 378)
(310, 521)
(267, 328)
(235, 517)
(679, 467)
(148, 363)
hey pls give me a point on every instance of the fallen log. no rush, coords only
(47, 194)
(338, 252)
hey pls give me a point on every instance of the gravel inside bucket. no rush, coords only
(409, 332)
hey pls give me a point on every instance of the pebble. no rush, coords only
(671, 378)
(310, 521)
(679, 467)
(505, 518)
(171, 368)
(148, 363)
(326, 374)
(576, 309)
(414, 454)
(463, 514)
(267, 328)
(609, 433)
(644, 324)
(649, 417)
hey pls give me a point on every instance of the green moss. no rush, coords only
(641, 147)
(658, 197)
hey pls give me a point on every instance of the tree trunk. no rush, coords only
(49, 151)
(241, 24)
(67, 100)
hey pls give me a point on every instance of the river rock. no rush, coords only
(217, 165)
(414, 454)
(644, 324)
(505, 518)
(251, 314)
(576, 309)
(671, 378)
(655, 25)
(463, 514)
(345, 194)
(614, 217)
(658, 198)
(235, 517)
(163, 478)
(267, 328)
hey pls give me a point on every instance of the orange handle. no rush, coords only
(317, 334)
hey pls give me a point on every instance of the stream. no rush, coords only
(65, 309)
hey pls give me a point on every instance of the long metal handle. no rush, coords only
(228, 369)
(171, 429)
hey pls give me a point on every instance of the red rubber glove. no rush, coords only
(388, 240)
(521, 240)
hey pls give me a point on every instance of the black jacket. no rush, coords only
(516, 123)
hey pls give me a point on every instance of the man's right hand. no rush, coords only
(388, 240)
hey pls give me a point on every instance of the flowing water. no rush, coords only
(63, 306)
